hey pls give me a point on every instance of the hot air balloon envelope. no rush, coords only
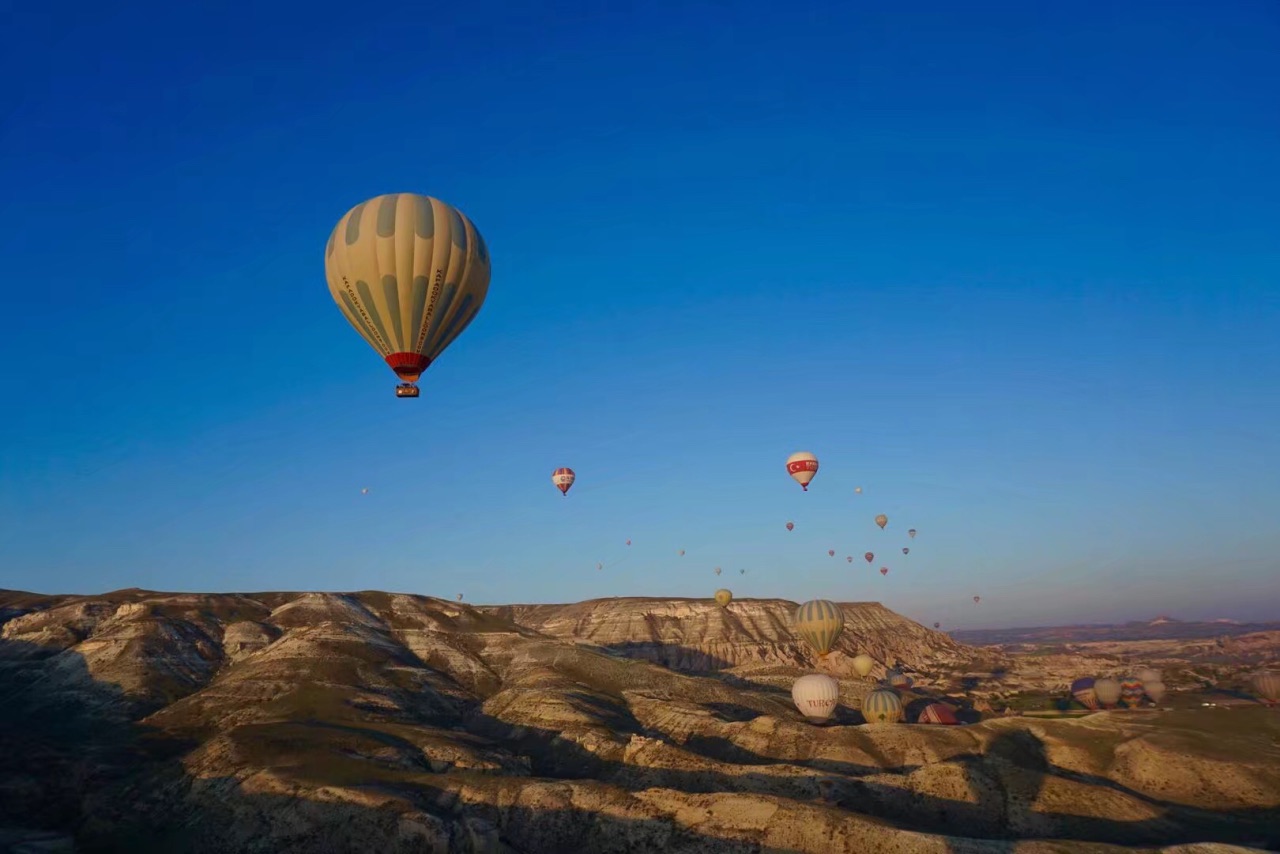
(862, 664)
(563, 478)
(723, 597)
(409, 273)
(1107, 690)
(1082, 691)
(819, 622)
(816, 696)
(882, 706)
(802, 466)
(939, 714)
(1267, 685)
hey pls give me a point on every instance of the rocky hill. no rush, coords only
(322, 722)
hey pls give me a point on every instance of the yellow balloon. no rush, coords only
(820, 623)
(723, 597)
(862, 664)
(409, 273)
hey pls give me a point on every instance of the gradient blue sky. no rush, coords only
(1013, 268)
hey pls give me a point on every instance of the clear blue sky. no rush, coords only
(1013, 268)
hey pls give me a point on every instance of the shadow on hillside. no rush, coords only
(74, 761)
(671, 656)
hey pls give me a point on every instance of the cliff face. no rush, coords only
(697, 635)
(383, 722)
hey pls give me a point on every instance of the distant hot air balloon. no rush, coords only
(1154, 690)
(869, 556)
(1147, 674)
(364, 491)
(628, 542)
(897, 679)
(599, 566)
(742, 572)
(723, 597)
(882, 706)
(802, 466)
(862, 664)
(680, 553)
(884, 570)
(831, 552)
(849, 559)
(717, 570)
(977, 599)
(409, 273)
(882, 520)
(937, 625)
(1131, 691)
(1082, 691)
(563, 478)
(459, 597)
(816, 695)
(939, 714)
(906, 551)
(791, 526)
(820, 623)
(912, 533)
(1267, 684)
(1107, 690)
(858, 489)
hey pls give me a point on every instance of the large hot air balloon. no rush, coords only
(884, 570)
(1107, 690)
(563, 478)
(1147, 674)
(1154, 690)
(816, 696)
(869, 556)
(802, 466)
(1082, 691)
(1267, 684)
(820, 623)
(409, 273)
(882, 706)
(831, 552)
(791, 526)
(1131, 691)
(912, 533)
(906, 551)
(723, 597)
(882, 520)
(862, 664)
(939, 714)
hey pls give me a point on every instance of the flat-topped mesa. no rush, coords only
(699, 635)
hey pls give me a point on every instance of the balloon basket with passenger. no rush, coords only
(406, 390)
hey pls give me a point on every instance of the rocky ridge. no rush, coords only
(389, 722)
